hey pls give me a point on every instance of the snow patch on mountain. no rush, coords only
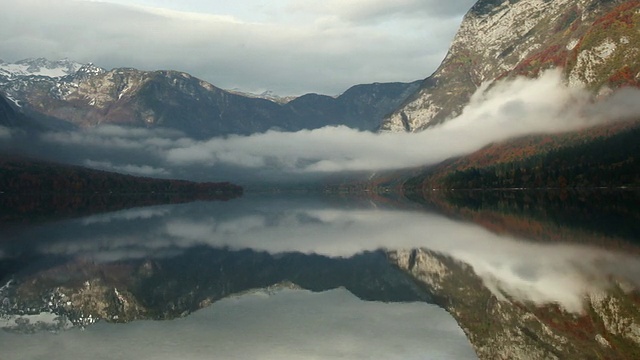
(39, 67)
(267, 95)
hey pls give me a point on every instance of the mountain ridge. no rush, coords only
(592, 41)
(91, 96)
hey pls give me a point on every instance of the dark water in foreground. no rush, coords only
(293, 276)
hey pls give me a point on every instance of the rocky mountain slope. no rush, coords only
(595, 42)
(9, 117)
(89, 96)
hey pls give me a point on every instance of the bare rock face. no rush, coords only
(503, 328)
(595, 42)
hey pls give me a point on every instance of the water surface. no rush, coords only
(277, 276)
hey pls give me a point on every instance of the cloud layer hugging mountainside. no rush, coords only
(496, 112)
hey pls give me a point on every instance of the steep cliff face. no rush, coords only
(500, 327)
(595, 42)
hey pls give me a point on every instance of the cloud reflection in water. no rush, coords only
(523, 270)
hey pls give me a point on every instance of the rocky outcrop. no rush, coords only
(500, 327)
(595, 42)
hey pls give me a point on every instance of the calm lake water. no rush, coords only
(302, 276)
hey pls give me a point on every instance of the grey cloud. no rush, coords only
(365, 11)
(5, 133)
(287, 58)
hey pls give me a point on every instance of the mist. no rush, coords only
(496, 112)
(5, 133)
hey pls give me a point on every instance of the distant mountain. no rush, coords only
(86, 95)
(267, 95)
(37, 67)
(595, 42)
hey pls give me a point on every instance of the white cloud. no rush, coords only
(141, 170)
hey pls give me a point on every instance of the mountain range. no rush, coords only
(85, 95)
(593, 42)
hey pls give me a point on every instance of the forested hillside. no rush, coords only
(606, 156)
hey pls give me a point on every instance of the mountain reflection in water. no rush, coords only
(165, 262)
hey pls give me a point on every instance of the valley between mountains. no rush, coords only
(529, 128)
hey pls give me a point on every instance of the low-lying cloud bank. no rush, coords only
(496, 112)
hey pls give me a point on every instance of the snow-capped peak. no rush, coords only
(39, 67)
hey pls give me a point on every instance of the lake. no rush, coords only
(299, 275)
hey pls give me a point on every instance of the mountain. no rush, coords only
(9, 117)
(90, 96)
(602, 156)
(37, 67)
(595, 42)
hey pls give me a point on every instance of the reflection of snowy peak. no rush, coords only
(38, 67)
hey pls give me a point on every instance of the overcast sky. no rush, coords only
(288, 46)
